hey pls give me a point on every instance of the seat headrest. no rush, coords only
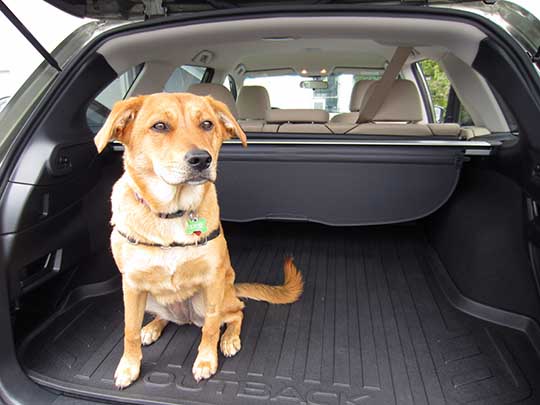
(358, 94)
(402, 103)
(252, 103)
(218, 91)
(297, 116)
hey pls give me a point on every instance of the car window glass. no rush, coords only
(439, 88)
(230, 84)
(183, 77)
(286, 91)
(117, 90)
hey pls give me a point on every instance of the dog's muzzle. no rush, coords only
(198, 160)
(195, 169)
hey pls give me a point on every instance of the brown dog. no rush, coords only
(167, 239)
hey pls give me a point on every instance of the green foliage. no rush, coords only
(439, 87)
(367, 76)
(438, 83)
(464, 117)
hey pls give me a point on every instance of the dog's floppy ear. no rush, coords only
(227, 119)
(115, 128)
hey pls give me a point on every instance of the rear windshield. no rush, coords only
(286, 90)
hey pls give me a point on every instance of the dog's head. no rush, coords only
(176, 136)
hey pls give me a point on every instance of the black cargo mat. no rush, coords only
(371, 328)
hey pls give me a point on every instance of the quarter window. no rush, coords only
(447, 106)
(230, 84)
(183, 77)
(101, 106)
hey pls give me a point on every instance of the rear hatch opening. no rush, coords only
(417, 238)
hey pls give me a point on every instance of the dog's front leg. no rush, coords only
(129, 367)
(207, 360)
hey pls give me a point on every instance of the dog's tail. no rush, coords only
(286, 293)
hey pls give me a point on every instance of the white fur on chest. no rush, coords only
(190, 196)
(170, 259)
(141, 224)
(162, 231)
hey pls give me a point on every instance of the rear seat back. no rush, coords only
(218, 91)
(400, 114)
(297, 120)
(358, 95)
(448, 129)
(470, 132)
(402, 104)
(252, 104)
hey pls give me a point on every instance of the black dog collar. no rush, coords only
(201, 242)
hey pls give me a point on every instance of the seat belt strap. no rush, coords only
(384, 85)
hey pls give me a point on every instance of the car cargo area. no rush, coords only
(373, 326)
(392, 152)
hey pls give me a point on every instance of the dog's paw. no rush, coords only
(150, 333)
(205, 366)
(230, 344)
(127, 371)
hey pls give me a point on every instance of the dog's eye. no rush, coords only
(160, 127)
(207, 125)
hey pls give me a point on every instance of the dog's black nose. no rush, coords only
(198, 159)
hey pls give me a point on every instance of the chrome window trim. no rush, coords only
(472, 148)
(364, 142)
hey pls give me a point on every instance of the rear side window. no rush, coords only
(183, 77)
(446, 104)
(230, 84)
(101, 106)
